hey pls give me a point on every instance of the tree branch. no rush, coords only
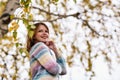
(60, 15)
(64, 16)
(86, 22)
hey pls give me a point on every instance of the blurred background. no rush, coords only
(86, 33)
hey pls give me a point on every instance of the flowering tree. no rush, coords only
(84, 31)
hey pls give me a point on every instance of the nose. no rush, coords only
(45, 33)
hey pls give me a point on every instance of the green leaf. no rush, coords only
(25, 21)
(56, 0)
(17, 44)
(75, 1)
(12, 16)
(28, 27)
(30, 33)
(15, 34)
(33, 27)
(25, 3)
(21, 50)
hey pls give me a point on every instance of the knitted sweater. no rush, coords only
(44, 64)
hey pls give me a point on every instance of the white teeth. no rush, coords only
(44, 37)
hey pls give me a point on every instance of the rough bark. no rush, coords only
(11, 6)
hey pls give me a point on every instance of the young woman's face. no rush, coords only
(41, 34)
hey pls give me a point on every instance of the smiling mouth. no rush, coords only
(44, 37)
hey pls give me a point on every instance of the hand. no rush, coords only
(52, 46)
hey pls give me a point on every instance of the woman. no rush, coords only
(46, 63)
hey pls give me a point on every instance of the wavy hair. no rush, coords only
(30, 41)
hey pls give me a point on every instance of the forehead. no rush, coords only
(42, 27)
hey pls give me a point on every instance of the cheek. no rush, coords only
(37, 36)
(47, 34)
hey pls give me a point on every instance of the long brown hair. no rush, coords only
(30, 41)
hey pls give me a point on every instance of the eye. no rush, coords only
(40, 31)
(46, 31)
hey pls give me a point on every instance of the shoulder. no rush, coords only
(38, 45)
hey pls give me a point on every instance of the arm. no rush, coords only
(61, 62)
(60, 59)
(43, 55)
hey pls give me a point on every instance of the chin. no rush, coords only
(42, 41)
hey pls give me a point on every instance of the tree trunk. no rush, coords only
(11, 6)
